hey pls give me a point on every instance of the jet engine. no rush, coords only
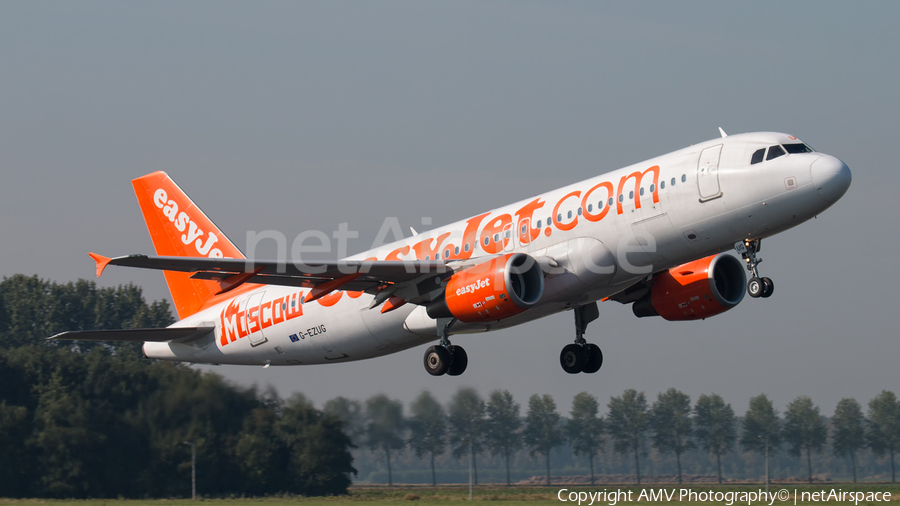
(695, 290)
(491, 291)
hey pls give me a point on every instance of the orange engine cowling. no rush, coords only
(491, 291)
(695, 290)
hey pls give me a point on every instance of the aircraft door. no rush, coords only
(252, 319)
(708, 173)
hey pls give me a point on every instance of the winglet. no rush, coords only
(722, 132)
(102, 262)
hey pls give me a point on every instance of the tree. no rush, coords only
(804, 429)
(627, 423)
(384, 428)
(465, 413)
(670, 419)
(761, 423)
(65, 440)
(543, 428)
(714, 423)
(585, 428)
(32, 309)
(502, 426)
(14, 430)
(849, 431)
(320, 460)
(350, 413)
(428, 428)
(263, 455)
(883, 431)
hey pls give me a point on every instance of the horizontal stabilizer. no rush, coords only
(178, 334)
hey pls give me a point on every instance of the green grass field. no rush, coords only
(430, 496)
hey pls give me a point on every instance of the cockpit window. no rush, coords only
(774, 152)
(797, 148)
(757, 156)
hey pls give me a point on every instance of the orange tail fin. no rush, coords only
(179, 228)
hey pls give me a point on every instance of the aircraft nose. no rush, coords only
(831, 177)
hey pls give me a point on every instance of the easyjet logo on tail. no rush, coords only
(184, 223)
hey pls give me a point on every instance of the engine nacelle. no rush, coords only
(695, 290)
(491, 291)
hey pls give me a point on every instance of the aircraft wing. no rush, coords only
(322, 276)
(177, 334)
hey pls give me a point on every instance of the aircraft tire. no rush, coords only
(572, 358)
(768, 287)
(459, 362)
(755, 287)
(437, 360)
(594, 358)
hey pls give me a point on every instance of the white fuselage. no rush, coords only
(665, 211)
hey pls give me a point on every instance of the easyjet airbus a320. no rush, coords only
(655, 235)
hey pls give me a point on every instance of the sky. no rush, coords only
(295, 116)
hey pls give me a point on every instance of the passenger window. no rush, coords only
(673, 181)
(579, 211)
(539, 224)
(652, 188)
(641, 192)
(774, 152)
(757, 156)
(496, 237)
(683, 178)
(621, 197)
(590, 208)
(487, 241)
(662, 185)
(610, 201)
(524, 228)
(569, 216)
(446, 253)
(599, 205)
(466, 247)
(559, 218)
(457, 249)
(630, 195)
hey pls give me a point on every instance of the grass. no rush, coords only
(509, 496)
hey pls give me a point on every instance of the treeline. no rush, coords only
(97, 420)
(472, 428)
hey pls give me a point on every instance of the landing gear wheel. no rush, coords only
(459, 362)
(755, 287)
(768, 287)
(573, 358)
(594, 358)
(437, 360)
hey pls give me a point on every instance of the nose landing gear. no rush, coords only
(757, 286)
(582, 356)
(445, 358)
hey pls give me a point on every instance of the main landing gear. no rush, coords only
(757, 286)
(445, 358)
(582, 356)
